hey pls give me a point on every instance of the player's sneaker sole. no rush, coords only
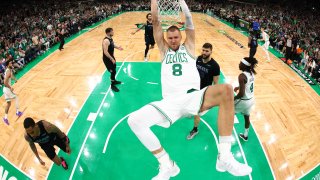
(243, 137)
(192, 135)
(5, 120)
(233, 167)
(114, 88)
(173, 172)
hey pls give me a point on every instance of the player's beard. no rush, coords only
(204, 56)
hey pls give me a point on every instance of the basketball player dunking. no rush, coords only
(148, 35)
(244, 100)
(8, 91)
(181, 97)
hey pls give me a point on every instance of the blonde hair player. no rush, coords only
(181, 97)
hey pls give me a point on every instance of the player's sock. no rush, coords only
(246, 131)
(225, 145)
(195, 129)
(163, 158)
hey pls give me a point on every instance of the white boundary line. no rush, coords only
(153, 83)
(212, 132)
(302, 176)
(14, 166)
(209, 127)
(52, 53)
(265, 154)
(111, 131)
(236, 135)
(101, 104)
(115, 126)
(85, 140)
(253, 125)
(84, 102)
(241, 150)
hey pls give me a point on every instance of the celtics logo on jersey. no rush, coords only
(166, 24)
(176, 58)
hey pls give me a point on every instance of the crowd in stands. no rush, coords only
(29, 29)
(293, 29)
(36, 27)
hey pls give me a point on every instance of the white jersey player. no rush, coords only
(265, 46)
(182, 97)
(244, 100)
(8, 92)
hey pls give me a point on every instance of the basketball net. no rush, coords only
(169, 12)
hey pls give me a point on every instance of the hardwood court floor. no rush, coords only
(286, 115)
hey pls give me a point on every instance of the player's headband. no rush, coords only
(245, 62)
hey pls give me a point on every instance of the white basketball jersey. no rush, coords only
(248, 93)
(179, 72)
(5, 73)
(265, 36)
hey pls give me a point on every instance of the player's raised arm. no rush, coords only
(138, 29)
(190, 34)
(157, 29)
